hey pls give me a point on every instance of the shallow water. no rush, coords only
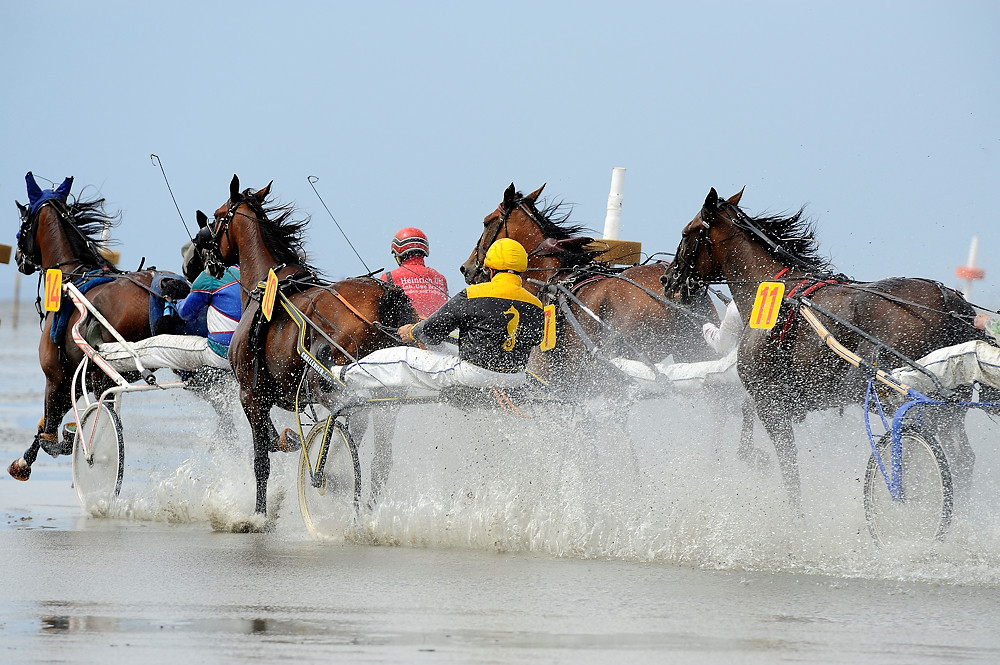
(498, 539)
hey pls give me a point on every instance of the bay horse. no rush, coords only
(621, 298)
(790, 372)
(63, 232)
(355, 313)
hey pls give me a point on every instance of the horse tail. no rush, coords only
(395, 308)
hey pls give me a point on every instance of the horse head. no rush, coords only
(29, 254)
(696, 261)
(214, 241)
(55, 232)
(253, 232)
(518, 217)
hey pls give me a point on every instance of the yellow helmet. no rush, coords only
(506, 254)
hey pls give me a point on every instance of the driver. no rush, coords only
(499, 323)
(221, 297)
(724, 340)
(426, 287)
(958, 365)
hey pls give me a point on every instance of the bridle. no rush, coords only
(29, 254)
(481, 247)
(685, 276)
(208, 240)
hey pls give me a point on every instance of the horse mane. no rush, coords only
(282, 233)
(794, 234)
(89, 219)
(553, 219)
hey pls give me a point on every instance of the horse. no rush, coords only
(629, 302)
(61, 232)
(356, 314)
(788, 372)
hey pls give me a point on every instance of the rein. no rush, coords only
(661, 299)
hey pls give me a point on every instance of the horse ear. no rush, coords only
(234, 189)
(62, 191)
(710, 208)
(23, 209)
(34, 191)
(735, 198)
(261, 195)
(535, 194)
(509, 196)
(202, 218)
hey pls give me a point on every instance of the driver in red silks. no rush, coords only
(426, 287)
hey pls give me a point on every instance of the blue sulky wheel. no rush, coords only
(329, 499)
(924, 511)
(98, 466)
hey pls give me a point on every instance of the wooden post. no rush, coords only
(5, 251)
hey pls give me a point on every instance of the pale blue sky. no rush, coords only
(882, 117)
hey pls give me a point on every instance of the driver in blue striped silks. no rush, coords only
(499, 323)
(221, 297)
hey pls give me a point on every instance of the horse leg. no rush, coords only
(258, 412)
(384, 427)
(779, 428)
(752, 456)
(947, 423)
(57, 403)
(215, 387)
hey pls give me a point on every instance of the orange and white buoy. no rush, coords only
(969, 272)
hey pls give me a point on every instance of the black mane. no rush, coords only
(88, 219)
(795, 235)
(283, 235)
(553, 220)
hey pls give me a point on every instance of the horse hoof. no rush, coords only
(19, 469)
(289, 441)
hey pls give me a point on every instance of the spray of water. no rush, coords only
(653, 480)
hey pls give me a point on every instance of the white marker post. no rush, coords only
(613, 220)
(969, 272)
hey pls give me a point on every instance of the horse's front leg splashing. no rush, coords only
(264, 436)
(57, 403)
(779, 428)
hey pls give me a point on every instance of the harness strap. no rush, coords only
(788, 327)
(350, 306)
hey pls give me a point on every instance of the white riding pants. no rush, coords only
(682, 376)
(412, 367)
(954, 366)
(182, 352)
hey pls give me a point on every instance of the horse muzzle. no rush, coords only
(24, 265)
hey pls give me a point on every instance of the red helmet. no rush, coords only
(407, 242)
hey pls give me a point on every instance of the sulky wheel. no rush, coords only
(330, 503)
(923, 512)
(98, 457)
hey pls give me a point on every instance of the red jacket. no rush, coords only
(426, 287)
